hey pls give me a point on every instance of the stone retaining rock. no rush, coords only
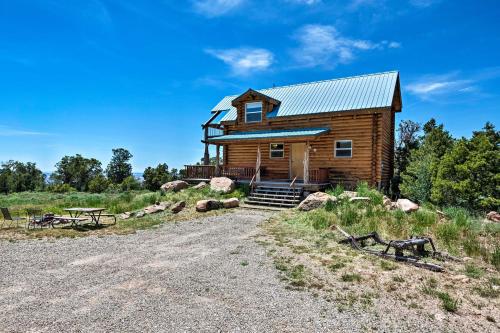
(406, 205)
(175, 186)
(207, 205)
(200, 186)
(231, 203)
(316, 200)
(493, 216)
(222, 185)
(176, 208)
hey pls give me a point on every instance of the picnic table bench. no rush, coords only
(95, 214)
(66, 219)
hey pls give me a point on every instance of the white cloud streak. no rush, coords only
(215, 8)
(323, 45)
(244, 60)
(7, 132)
(431, 86)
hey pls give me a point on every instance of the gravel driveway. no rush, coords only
(201, 275)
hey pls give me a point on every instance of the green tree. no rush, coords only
(99, 184)
(119, 167)
(468, 175)
(406, 142)
(130, 183)
(76, 171)
(421, 171)
(154, 178)
(18, 177)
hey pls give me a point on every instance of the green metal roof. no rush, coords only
(343, 94)
(271, 134)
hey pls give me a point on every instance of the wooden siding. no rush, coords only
(371, 132)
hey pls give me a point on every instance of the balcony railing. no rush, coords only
(316, 176)
(209, 171)
(320, 175)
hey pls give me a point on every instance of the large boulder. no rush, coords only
(231, 203)
(406, 205)
(200, 186)
(493, 216)
(386, 202)
(175, 186)
(222, 185)
(126, 215)
(316, 200)
(208, 204)
(176, 208)
(360, 199)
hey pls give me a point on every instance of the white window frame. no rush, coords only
(342, 149)
(275, 150)
(246, 112)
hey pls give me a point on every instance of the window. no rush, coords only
(277, 150)
(343, 148)
(253, 112)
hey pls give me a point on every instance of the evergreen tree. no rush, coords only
(119, 167)
(76, 171)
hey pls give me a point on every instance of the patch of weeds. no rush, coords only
(366, 299)
(297, 275)
(351, 277)
(490, 290)
(282, 264)
(471, 245)
(448, 233)
(387, 265)
(398, 278)
(298, 249)
(473, 271)
(430, 286)
(244, 263)
(449, 304)
(491, 319)
(495, 257)
(335, 267)
(414, 305)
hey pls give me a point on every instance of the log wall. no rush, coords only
(371, 132)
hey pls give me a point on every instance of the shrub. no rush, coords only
(61, 188)
(130, 183)
(338, 190)
(99, 184)
(354, 277)
(473, 271)
(460, 216)
(449, 304)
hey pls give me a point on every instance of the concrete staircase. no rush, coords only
(275, 194)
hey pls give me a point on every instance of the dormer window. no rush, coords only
(253, 112)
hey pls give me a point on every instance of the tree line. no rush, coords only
(78, 173)
(432, 166)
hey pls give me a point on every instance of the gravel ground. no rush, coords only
(202, 275)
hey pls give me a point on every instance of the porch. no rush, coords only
(318, 178)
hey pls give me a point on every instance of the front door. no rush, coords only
(297, 160)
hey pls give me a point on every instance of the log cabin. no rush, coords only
(316, 134)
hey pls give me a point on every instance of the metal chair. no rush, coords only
(7, 218)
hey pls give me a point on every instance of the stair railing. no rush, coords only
(292, 185)
(253, 181)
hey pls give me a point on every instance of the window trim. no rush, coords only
(271, 150)
(342, 149)
(246, 112)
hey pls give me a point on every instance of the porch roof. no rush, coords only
(256, 135)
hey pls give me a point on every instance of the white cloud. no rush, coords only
(394, 45)
(305, 2)
(423, 3)
(437, 85)
(6, 131)
(244, 60)
(214, 8)
(323, 45)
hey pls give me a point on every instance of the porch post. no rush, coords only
(217, 162)
(257, 166)
(306, 164)
(206, 156)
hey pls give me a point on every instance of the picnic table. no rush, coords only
(94, 213)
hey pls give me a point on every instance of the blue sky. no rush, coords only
(91, 75)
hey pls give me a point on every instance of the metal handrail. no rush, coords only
(252, 182)
(292, 184)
